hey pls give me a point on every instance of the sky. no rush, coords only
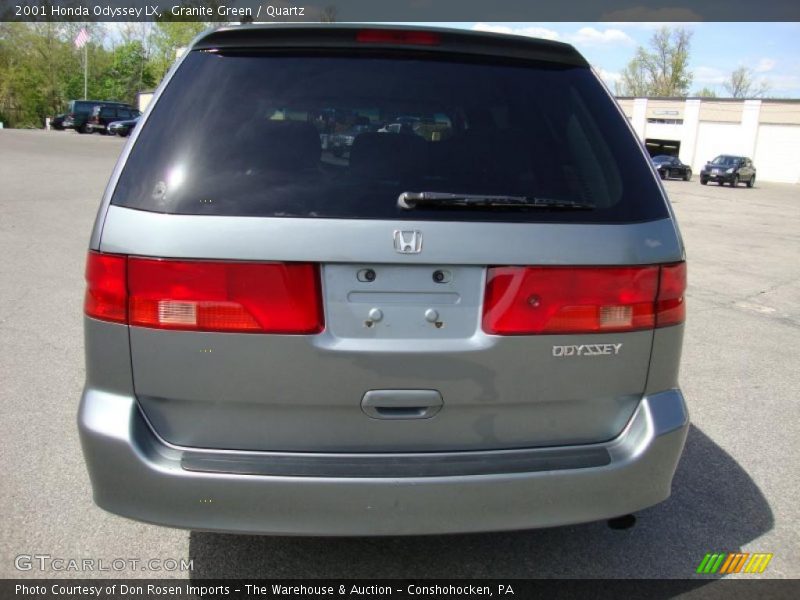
(771, 50)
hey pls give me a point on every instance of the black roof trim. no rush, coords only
(454, 41)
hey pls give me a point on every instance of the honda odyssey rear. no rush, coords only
(470, 318)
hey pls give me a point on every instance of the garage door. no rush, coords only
(777, 149)
(714, 139)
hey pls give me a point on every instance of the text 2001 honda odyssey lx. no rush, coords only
(350, 280)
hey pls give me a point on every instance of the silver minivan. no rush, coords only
(467, 318)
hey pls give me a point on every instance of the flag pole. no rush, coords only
(85, 67)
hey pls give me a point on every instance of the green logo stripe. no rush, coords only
(701, 568)
(714, 563)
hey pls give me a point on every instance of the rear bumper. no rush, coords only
(137, 475)
(724, 178)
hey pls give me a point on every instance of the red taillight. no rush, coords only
(393, 36)
(106, 294)
(225, 296)
(671, 306)
(531, 300)
(218, 296)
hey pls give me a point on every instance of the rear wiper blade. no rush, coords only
(411, 200)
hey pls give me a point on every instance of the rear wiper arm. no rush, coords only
(411, 200)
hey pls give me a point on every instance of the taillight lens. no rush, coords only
(534, 300)
(217, 295)
(225, 296)
(106, 294)
(393, 36)
(671, 305)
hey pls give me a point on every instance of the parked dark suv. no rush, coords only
(729, 169)
(103, 115)
(478, 328)
(79, 111)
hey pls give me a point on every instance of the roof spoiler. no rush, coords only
(339, 36)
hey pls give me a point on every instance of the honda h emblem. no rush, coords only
(408, 242)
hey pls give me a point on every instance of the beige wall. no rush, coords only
(772, 111)
(780, 113)
(722, 112)
(665, 109)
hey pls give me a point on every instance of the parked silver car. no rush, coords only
(475, 327)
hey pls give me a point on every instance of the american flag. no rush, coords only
(81, 38)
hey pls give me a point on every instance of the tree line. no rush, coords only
(662, 69)
(41, 69)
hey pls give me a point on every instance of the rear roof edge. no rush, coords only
(325, 35)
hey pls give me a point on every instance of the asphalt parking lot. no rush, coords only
(736, 487)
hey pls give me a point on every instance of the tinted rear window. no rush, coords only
(82, 107)
(343, 136)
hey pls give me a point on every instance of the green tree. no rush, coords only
(742, 84)
(40, 69)
(633, 81)
(128, 73)
(705, 93)
(662, 69)
(33, 60)
(171, 33)
(168, 37)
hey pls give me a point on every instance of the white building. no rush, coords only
(698, 129)
(143, 99)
